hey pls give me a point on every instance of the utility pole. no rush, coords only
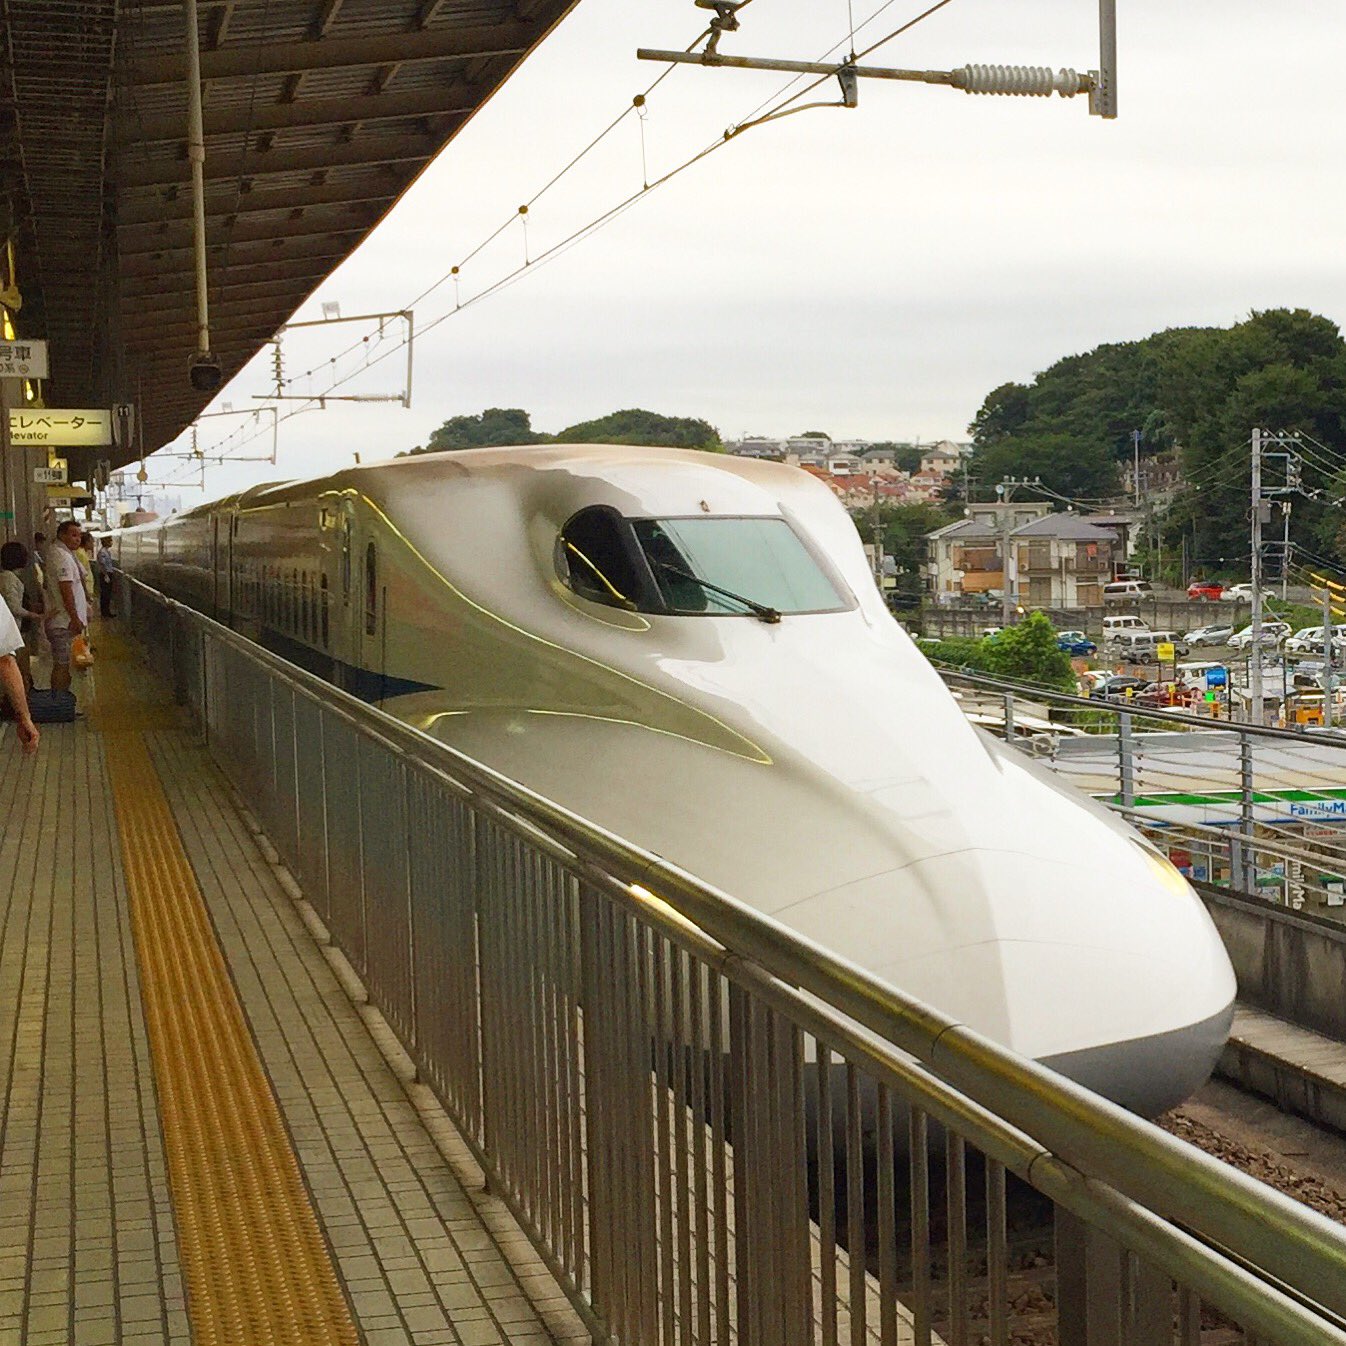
(1135, 478)
(1327, 657)
(1285, 552)
(1255, 667)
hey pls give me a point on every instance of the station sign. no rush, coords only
(1217, 677)
(23, 359)
(60, 427)
(1165, 652)
(54, 475)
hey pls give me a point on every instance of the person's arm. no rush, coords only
(12, 681)
(68, 598)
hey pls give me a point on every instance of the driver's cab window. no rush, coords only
(594, 556)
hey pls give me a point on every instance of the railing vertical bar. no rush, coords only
(884, 1159)
(802, 1328)
(919, 1163)
(1189, 1317)
(716, 992)
(700, 1198)
(956, 1184)
(739, 1066)
(827, 1208)
(682, 1064)
(660, 956)
(997, 1255)
(855, 1205)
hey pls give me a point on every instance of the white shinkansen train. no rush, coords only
(690, 650)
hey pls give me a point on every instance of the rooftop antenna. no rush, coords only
(1022, 81)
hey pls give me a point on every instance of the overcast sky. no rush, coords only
(869, 273)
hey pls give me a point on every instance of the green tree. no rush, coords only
(1028, 653)
(814, 434)
(905, 528)
(636, 426)
(1068, 464)
(496, 426)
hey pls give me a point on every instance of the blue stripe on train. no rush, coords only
(362, 682)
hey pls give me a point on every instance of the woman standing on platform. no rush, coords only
(13, 562)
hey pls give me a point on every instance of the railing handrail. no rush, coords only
(1189, 722)
(1257, 1224)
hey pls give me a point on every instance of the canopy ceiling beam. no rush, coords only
(458, 100)
(333, 53)
(167, 207)
(362, 153)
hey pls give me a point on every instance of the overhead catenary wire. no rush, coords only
(584, 231)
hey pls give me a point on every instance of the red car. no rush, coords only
(1211, 589)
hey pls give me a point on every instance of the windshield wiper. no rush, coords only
(759, 610)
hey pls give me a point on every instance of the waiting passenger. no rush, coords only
(86, 565)
(11, 679)
(107, 568)
(13, 564)
(67, 607)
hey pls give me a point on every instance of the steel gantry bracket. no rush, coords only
(1022, 81)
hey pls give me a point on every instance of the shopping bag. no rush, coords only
(81, 656)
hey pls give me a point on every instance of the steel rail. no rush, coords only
(1286, 1242)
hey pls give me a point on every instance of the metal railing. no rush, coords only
(1259, 810)
(714, 1130)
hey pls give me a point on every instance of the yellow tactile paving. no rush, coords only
(256, 1266)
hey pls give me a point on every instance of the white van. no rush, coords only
(1136, 645)
(1120, 591)
(1114, 626)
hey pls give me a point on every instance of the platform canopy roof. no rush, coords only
(318, 115)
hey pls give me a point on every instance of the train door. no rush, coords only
(222, 566)
(373, 624)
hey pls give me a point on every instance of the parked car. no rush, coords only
(988, 631)
(1309, 640)
(1272, 635)
(1205, 589)
(1115, 687)
(1218, 634)
(1237, 593)
(1124, 591)
(1174, 638)
(1075, 643)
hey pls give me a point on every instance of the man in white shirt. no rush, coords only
(11, 679)
(67, 606)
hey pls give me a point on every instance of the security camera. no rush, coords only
(205, 372)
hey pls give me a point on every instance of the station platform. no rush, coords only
(204, 1137)
(1302, 1071)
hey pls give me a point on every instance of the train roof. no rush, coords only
(622, 465)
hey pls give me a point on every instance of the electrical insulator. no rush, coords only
(1020, 81)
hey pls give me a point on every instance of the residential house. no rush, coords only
(1055, 560)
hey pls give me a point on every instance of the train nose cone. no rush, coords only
(1125, 989)
(1149, 1075)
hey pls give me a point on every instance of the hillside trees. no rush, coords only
(1198, 391)
(497, 426)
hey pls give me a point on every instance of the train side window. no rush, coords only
(596, 558)
(345, 560)
(295, 612)
(371, 590)
(322, 607)
(306, 595)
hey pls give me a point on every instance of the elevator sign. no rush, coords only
(60, 427)
(23, 359)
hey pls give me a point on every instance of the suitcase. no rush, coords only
(48, 707)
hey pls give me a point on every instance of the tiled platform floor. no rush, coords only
(88, 1247)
